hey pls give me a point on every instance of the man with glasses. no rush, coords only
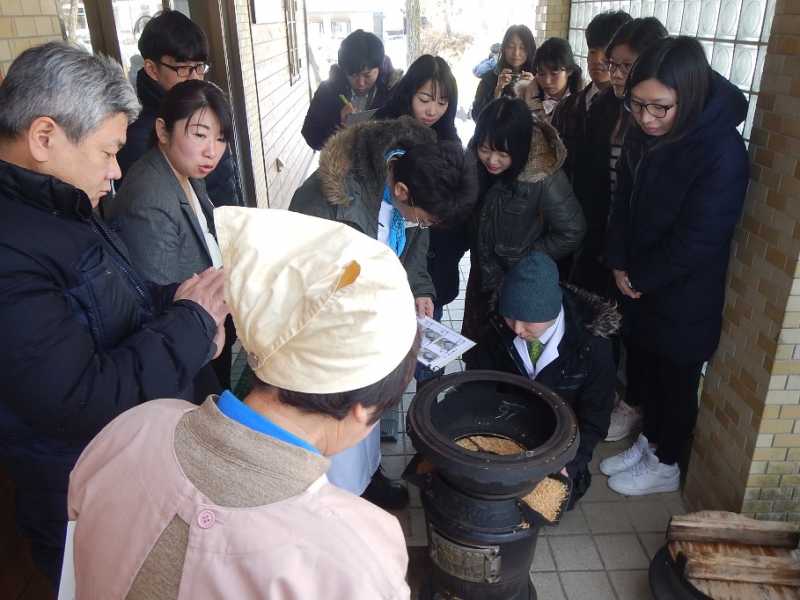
(391, 180)
(174, 49)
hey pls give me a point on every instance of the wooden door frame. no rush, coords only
(218, 19)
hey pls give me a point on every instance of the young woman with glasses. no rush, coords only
(682, 181)
(526, 202)
(628, 43)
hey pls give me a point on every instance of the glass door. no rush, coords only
(130, 17)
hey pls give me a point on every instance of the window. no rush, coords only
(295, 62)
(734, 34)
(340, 28)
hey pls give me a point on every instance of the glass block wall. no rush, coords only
(734, 34)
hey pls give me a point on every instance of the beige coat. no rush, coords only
(128, 486)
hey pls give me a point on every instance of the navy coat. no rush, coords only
(671, 226)
(84, 339)
(322, 118)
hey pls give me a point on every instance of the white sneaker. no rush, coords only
(649, 476)
(625, 419)
(626, 459)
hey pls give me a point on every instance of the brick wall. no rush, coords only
(552, 19)
(26, 23)
(746, 454)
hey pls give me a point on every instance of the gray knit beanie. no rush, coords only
(530, 291)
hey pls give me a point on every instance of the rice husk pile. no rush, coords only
(491, 444)
(547, 497)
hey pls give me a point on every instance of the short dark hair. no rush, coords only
(506, 124)
(681, 64)
(639, 34)
(171, 33)
(526, 37)
(360, 51)
(382, 395)
(556, 54)
(441, 180)
(425, 68)
(188, 97)
(603, 26)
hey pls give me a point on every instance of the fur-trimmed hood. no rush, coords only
(547, 154)
(601, 317)
(355, 155)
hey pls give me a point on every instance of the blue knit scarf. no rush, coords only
(397, 224)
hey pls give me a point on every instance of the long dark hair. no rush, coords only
(186, 98)
(681, 64)
(555, 54)
(506, 125)
(426, 68)
(526, 37)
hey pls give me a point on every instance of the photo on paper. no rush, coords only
(430, 335)
(445, 344)
(428, 355)
(440, 344)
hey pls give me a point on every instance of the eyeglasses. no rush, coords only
(623, 68)
(422, 224)
(659, 111)
(187, 70)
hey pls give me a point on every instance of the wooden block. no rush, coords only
(770, 570)
(720, 526)
(729, 590)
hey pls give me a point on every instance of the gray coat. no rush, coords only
(157, 222)
(348, 187)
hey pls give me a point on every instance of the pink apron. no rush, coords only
(128, 486)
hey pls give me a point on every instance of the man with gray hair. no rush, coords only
(84, 337)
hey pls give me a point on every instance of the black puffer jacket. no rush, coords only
(84, 339)
(322, 118)
(222, 184)
(671, 227)
(583, 374)
(537, 211)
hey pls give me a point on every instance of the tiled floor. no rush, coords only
(600, 550)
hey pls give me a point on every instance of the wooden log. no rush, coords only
(718, 526)
(768, 570)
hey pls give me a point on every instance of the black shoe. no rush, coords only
(384, 492)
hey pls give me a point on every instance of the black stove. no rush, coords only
(481, 536)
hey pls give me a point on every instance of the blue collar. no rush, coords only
(236, 410)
